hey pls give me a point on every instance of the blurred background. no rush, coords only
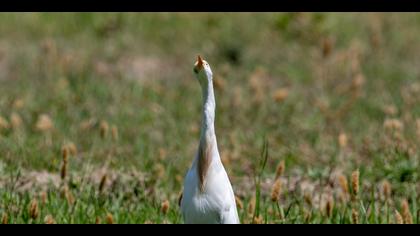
(330, 92)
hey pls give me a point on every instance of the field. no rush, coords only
(317, 118)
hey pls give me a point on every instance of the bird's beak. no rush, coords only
(199, 61)
(198, 64)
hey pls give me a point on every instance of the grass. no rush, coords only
(328, 94)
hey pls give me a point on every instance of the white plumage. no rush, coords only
(208, 196)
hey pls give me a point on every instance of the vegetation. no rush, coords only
(317, 118)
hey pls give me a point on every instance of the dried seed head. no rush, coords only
(15, 120)
(97, 220)
(65, 153)
(280, 95)
(162, 154)
(4, 219)
(256, 82)
(114, 133)
(103, 128)
(87, 124)
(18, 103)
(256, 78)
(386, 190)
(393, 125)
(406, 214)
(44, 123)
(280, 169)
(355, 183)
(398, 218)
(109, 219)
(390, 110)
(329, 207)
(63, 171)
(354, 216)
(342, 140)
(342, 180)
(276, 190)
(67, 194)
(251, 205)
(257, 220)
(239, 203)
(72, 148)
(70, 198)
(49, 220)
(33, 209)
(165, 207)
(103, 182)
(327, 46)
(43, 198)
(405, 208)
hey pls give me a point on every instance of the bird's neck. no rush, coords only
(208, 114)
(207, 150)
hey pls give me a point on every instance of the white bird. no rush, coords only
(208, 196)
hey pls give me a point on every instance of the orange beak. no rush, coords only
(199, 62)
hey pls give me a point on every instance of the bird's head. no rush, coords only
(202, 71)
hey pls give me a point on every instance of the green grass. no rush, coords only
(134, 71)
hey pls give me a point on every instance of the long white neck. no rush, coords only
(208, 135)
(207, 150)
